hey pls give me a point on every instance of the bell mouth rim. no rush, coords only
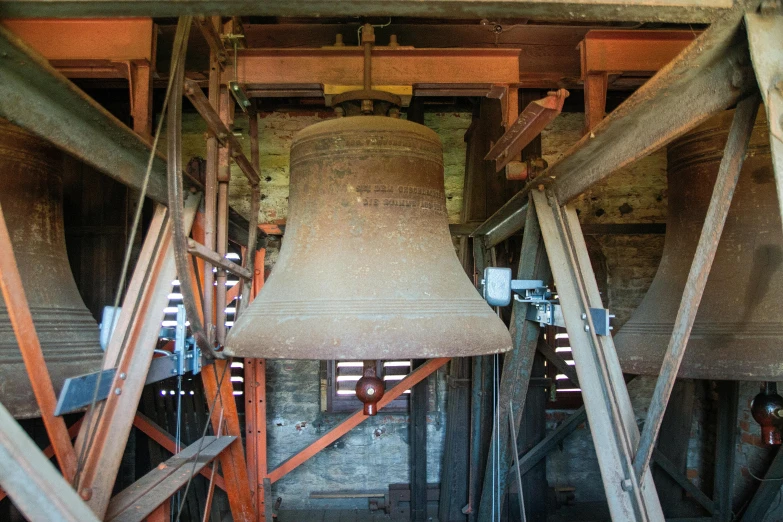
(365, 123)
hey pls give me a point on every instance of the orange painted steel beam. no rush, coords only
(221, 394)
(232, 459)
(415, 377)
(631, 51)
(255, 407)
(167, 442)
(100, 39)
(99, 48)
(447, 67)
(29, 345)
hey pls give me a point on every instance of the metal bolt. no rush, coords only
(627, 485)
(584, 316)
(117, 391)
(587, 328)
(123, 376)
(370, 391)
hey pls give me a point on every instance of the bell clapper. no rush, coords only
(767, 409)
(370, 389)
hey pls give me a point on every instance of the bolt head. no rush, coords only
(587, 328)
(123, 376)
(627, 485)
(584, 316)
(117, 391)
(370, 391)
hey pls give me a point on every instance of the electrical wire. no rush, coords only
(179, 43)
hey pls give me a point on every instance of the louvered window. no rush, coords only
(341, 377)
(567, 395)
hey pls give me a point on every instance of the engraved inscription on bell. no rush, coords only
(367, 269)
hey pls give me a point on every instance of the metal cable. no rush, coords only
(176, 196)
(179, 44)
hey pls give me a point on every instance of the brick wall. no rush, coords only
(375, 454)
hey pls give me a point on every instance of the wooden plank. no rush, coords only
(684, 11)
(674, 472)
(767, 491)
(726, 181)
(553, 440)
(558, 362)
(142, 498)
(612, 424)
(167, 441)
(35, 486)
(130, 350)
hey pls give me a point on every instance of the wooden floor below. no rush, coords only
(330, 515)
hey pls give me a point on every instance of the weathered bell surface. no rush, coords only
(738, 330)
(367, 269)
(31, 194)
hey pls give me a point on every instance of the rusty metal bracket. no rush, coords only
(537, 115)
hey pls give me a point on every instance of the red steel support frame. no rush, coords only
(220, 392)
(255, 407)
(446, 71)
(606, 53)
(99, 48)
(413, 378)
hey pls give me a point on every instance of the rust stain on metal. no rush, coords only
(537, 115)
(367, 268)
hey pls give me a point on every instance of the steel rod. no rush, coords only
(197, 249)
(725, 183)
(357, 418)
(219, 129)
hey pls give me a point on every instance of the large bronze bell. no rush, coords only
(31, 194)
(367, 269)
(738, 333)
